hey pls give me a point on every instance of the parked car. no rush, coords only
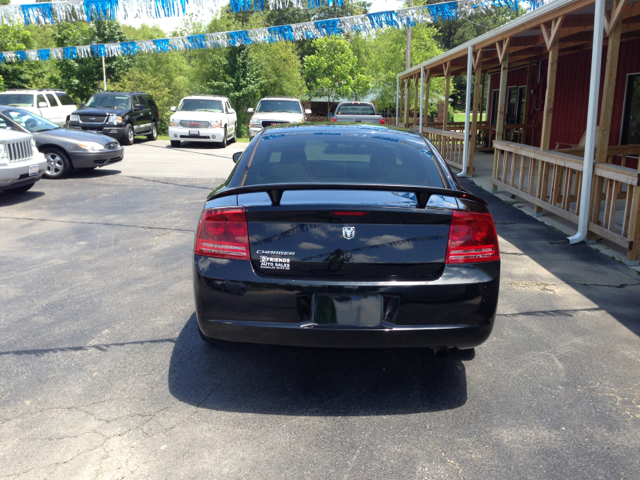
(64, 149)
(203, 118)
(345, 236)
(275, 111)
(121, 115)
(21, 164)
(357, 112)
(54, 105)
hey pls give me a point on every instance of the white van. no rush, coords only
(54, 105)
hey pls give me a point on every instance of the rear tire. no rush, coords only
(175, 143)
(128, 135)
(20, 189)
(58, 164)
(154, 133)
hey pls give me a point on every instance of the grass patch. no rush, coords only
(459, 117)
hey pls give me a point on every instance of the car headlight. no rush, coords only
(255, 123)
(75, 118)
(215, 124)
(114, 119)
(33, 145)
(91, 146)
(173, 122)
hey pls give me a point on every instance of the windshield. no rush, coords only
(284, 106)
(110, 101)
(16, 100)
(350, 109)
(337, 157)
(33, 123)
(200, 105)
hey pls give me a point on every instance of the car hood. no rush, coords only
(64, 135)
(101, 111)
(187, 115)
(11, 135)
(278, 117)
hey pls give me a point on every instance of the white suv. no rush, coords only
(275, 111)
(203, 118)
(54, 105)
(21, 164)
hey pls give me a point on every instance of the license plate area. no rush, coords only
(33, 170)
(355, 310)
(194, 133)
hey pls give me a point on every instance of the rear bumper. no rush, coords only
(457, 310)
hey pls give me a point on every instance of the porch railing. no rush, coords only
(449, 144)
(552, 180)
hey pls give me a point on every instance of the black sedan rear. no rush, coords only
(64, 149)
(345, 236)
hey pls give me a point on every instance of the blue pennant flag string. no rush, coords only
(329, 27)
(39, 13)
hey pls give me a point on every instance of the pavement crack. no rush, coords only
(105, 224)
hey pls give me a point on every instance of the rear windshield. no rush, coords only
(16, 99)
(325, 157)
(356, 110)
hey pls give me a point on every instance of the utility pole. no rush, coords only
(407, 56)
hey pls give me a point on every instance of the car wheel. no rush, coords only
(241, 291)
(58, 165)
(128, 135)
(154, 133)
(175, 143)
(223, 144)
(20, 189)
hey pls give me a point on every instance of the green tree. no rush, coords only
(333, 71)
(281, 69)
(83, 77)
(4, 2)
(17, 74)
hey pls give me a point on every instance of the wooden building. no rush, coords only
(562, 113)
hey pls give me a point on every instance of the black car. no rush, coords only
(121, 115)
(345, 236)
(64, 149)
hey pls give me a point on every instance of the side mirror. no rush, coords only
(42, 105)
(307, 111)
(249, 110)
(236, 156)
(138, 107)
(173, 109)
(231, 110)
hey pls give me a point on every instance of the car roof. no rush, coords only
(221, 97)
(279, 98)
(330, 128)
(33, 90)
(121, 93)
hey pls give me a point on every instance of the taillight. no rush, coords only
(472, 238)
(382, 122)
(334, 119)
(222, 233)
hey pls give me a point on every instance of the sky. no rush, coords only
(169, 24)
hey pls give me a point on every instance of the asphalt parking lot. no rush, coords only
(104, 375)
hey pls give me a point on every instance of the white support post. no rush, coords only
(592, 122)
(465, 150)
(421, 95)
(397, 98)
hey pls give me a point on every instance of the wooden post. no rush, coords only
(427, 84)
(547, 118)
(447, 76)
(606, 110)
(527, 102)
(406, 102)
(477, 98)
(401, 103)
(503, 56)
(416, 97)
(633, 252)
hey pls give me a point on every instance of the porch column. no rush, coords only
(477, 99)
(401, 107)
(527, 104)
(397, 100)
(415, 99)
(553, 45)
(447, 76)
(406, 101)
(503, 57)
(421, 98)
(467, 114)
(592, 119)
(427, 87)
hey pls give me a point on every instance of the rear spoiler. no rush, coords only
(275, 191)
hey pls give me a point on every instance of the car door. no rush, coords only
(232, 118)
(139, 116)
(67, 105)
(42, 107)
(56, 112)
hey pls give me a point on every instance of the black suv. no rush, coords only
(121, 115)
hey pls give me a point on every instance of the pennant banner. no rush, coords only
(401, 18)
(92, 10)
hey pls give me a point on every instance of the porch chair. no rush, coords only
(580, 144)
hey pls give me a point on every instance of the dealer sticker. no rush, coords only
(274, 263)
(33, 170)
